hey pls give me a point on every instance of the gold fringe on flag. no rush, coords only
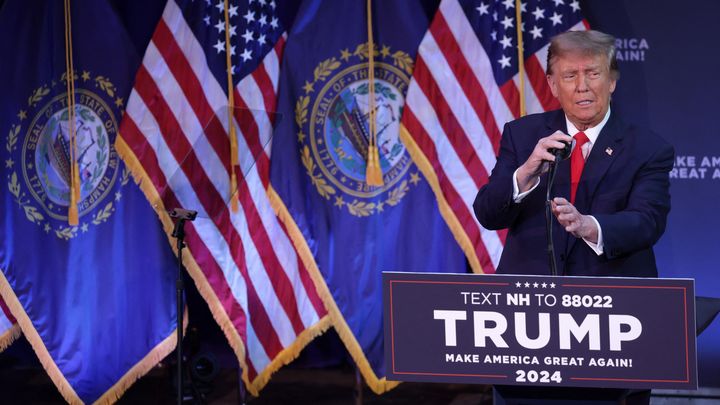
(73, 215)
(377, 385)
(231, 123)
(216, 309)
(33, 337)
(521, 56)
(451, 218)
(159, 352)
(373, 174)
(9, 336)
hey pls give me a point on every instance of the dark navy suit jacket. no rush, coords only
(624, 185)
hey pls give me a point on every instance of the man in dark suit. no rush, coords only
(611, 198)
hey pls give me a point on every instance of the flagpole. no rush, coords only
(231, 108)
(521, 55)
(373, 175)
(73, 214)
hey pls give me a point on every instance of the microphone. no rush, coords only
(564, 153)
(183, 214)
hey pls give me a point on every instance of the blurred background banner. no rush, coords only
(349, 231)
(666, 57)
(176, 137)
(95, 299)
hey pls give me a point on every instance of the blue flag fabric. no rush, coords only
(348, 231)
(96, 301)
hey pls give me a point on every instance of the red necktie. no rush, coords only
(577, 162)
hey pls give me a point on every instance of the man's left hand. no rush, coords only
(581, 226)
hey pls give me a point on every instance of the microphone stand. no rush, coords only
(548, 214)
(559, 154)
(182, 216)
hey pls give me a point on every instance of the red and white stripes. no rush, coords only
(176, 125)
(455, 112)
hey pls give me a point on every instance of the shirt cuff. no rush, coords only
(517, 195)
(596, 247)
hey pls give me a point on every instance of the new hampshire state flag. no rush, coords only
(346, 231)
(96, 299)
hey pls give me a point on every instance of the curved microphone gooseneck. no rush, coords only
(560, 154)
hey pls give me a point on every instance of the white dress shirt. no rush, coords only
(592, 134)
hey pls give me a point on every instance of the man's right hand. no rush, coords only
(538, 162)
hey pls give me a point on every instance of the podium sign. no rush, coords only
(542, 331)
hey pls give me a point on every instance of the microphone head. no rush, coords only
(564, 153)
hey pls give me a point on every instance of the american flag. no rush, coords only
(9, 329)
(465, 87)
(174, 136)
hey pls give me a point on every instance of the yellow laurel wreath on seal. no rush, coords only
(322, 71)
(324, 189)
(21, 198)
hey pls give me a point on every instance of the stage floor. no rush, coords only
(22, 381)
(288, 386)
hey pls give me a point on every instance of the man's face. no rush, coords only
(583, 85)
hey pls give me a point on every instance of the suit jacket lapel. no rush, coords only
(604, 152)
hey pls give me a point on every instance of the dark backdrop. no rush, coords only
(669, 83)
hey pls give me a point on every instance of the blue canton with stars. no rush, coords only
(254, 30)
(494, 24)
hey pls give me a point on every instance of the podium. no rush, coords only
(541, 339)
(706, 310)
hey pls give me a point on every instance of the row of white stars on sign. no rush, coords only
(534, 285)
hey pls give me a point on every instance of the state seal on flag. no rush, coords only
(40, 155)
(334, 130)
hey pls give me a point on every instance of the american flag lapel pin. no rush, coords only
(609, 151)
